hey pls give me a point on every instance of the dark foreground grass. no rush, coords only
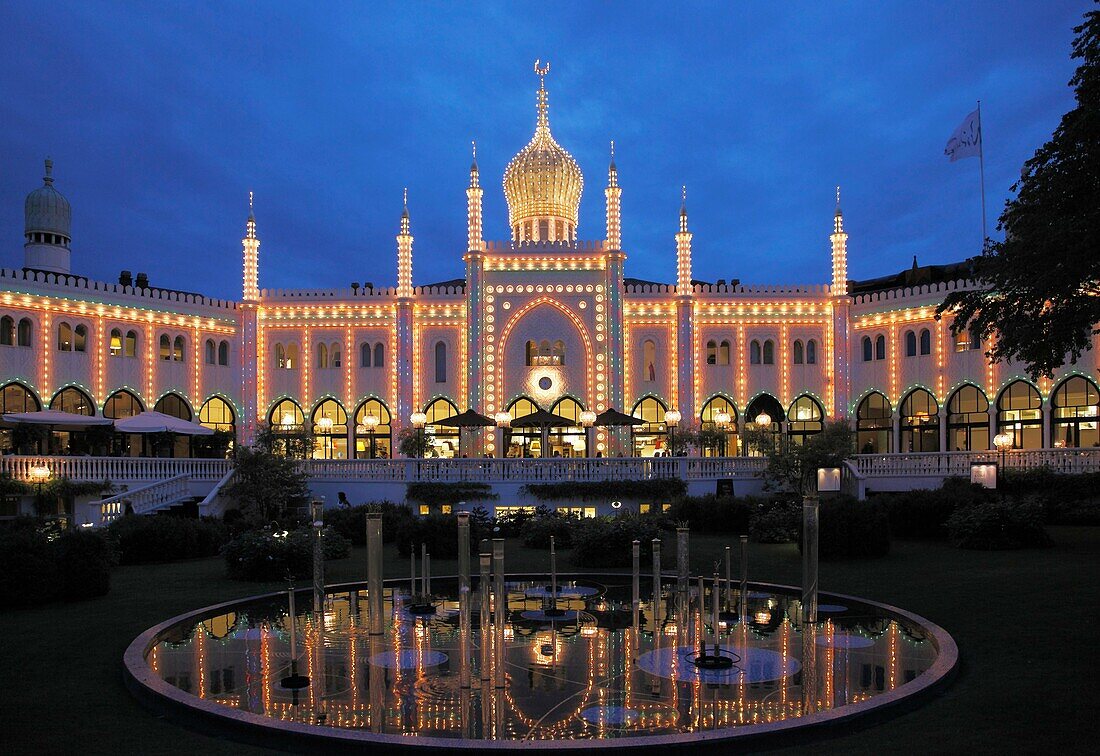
(1022, 620)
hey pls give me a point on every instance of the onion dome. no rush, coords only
(46, 211)
(543, 183)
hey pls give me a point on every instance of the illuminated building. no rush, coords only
(544, 319)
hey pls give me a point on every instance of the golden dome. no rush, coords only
(543, 181)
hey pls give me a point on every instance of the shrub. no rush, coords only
(606, 541)
(162, 538)
(849, 528)
(537, 530)
(84, 563)
(351, 523)
(991, 525)
(262, 555)
(28, 568)
(716, 514)
(923, 513)
(774, 520)
(439, 532)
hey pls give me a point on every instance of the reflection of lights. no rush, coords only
(589, 630)
(762, 617)
(509, 633)
(670, 628)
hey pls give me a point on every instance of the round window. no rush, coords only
(545, 383)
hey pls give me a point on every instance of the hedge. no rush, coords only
(995, 525)
(848, 528)
(36, 570)
(144, 539)
(449, 493)
(263, 555)
(659, 489)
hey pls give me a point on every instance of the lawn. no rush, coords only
(1020, 619)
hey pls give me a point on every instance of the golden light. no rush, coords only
(40, 473)
(588, 418)
(763, 420)
(672, 418)
(287, 419)
(1002, 441)
(418, 419)
(503, 419)
(324, 424)
(371, 422)
(722, 419)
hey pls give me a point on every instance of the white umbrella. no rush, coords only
(56, 419)
(158, 422)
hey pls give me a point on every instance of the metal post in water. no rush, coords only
(317, 509)
(809, 559)
(412, 573)
(500, 612)
(682, 568)
(464, 637)
(715, 598)
(424, 571)
(464, 550)
(374, 572)
(744, 578)
(636, 596)
(483, 616)
(729, 583)
(656, 581)
(553, 576)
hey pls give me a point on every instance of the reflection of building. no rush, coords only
(543, 320)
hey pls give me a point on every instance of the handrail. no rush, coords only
(215, 491)
(144, 498)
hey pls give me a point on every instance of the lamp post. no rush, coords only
(370, 423)
(588, 421)
(419, 420)
(1003, 442)
(722, 421)
(504, 421)
(672, 419)
(40, 474)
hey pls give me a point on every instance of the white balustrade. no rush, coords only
(115, 469)
(947, 464)
(146, 499)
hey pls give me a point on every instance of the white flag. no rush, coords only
(967, 139)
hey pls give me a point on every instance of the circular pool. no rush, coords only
(583, 671)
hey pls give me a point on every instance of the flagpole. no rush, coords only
(981, 168)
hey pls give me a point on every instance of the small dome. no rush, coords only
(46, 210)
(543, 180)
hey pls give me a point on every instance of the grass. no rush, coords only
(1020, 619)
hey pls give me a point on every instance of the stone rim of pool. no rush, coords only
(210, 717)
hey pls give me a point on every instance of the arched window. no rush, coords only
(910, 344)
(292, 356)
(114, 347)
(364, 355)
(440, 362)
(925, 341)
(322, 356)
(797, 352)
(24, 333)
(874, 425)
(724, 352)
(80, 338)
(442, 440)
(754, 352)
(177, 349)
(211, 352)
(769, 352)
(71, 399)
(334, 354)
(727, 442)
(286, 416)
(1076, 412)
(7, 331)
(223, 352)
(165, 347)
(330, 430)
(975, 339)
(712, 352)
(649, 439)
(805, 418)
(811, 352)
(531, 350)
(379, 355)
(129, 346)
(880, 347)
(379, 442)
(15, 397)
(175, 405)
(64, 337)
(570, 440)
(765, 404)
(868, 349)
(217, 414)
(122, 404)
(280, 356)
(522, 442)
(920, 422)
(1020, 414)
(649, 360)
(558, 356)
(967, 420)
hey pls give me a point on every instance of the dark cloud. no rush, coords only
(161, 117)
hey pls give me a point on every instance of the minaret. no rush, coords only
(613, 193)
(404, 253)
(251, 245)
(616, 345)
(839, 241)
(46, 231)
(685, 317)
(404, 317)
(474, 296)
(841, 306)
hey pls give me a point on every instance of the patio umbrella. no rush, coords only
(613, 418)
(158, 422)
(541, 419)
(467, 419)
(56, 419)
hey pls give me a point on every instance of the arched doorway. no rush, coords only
(648, 440)
(1076, 405)
(727, 439)
(287, 424)
(920, 422)
(74, 400)
(805, 418)
(440, 440)
(373, 440)
(330, 430)
(522, 442)
(875, 425)
(93, 441)
(767, 433)
(1020, 415)
(967, 420)
(15, 397)
(568, 441)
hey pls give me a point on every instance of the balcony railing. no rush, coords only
(949, 464)
(115, 469)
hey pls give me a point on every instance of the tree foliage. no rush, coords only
(1040, 292)
(793, 467)
(266, 486)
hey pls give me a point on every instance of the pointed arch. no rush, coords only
(17, 396)
(223, 353)
(1075, 407)
(7, 331)
(1020, 414)
(442, 440)
(73, 399)
(805, 418)
(919, 418)
(172, 403)
(217, 413)
(649, 439)
(571, 440)
(967, 419)
(287, 414)
(874, 424)
(373, 439)
(24, 331)
(121, 404)
(330, 429)
(811, 352)
(211, 352)
(728, 436)
(64, 337)
(379, 354)
(797, 352)
(178, 349)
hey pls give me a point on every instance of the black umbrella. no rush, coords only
(614, 418)
(467, 419)
(541, 419)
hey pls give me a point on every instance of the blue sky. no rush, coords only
(160, 117)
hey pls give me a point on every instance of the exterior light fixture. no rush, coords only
(287, 419)
(672, 418)
(763, 421)
(588, 418)
(828, 479)
(418, 420)
(503, 419)
(1002, 442)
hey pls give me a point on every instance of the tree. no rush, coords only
(411, 443)
(265, 485)
(1040, 292)
(292, 442)
(793, 467)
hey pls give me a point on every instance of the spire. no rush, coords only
(839, 241)
(473, 208)
(473, 165)
(48, 178)
(543, 104)
(614, 214)
(405, 212)
(251, 245)
(404, 251)
(683, 209)
(612, 170)
(683, 249)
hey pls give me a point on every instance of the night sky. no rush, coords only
(160, 119)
